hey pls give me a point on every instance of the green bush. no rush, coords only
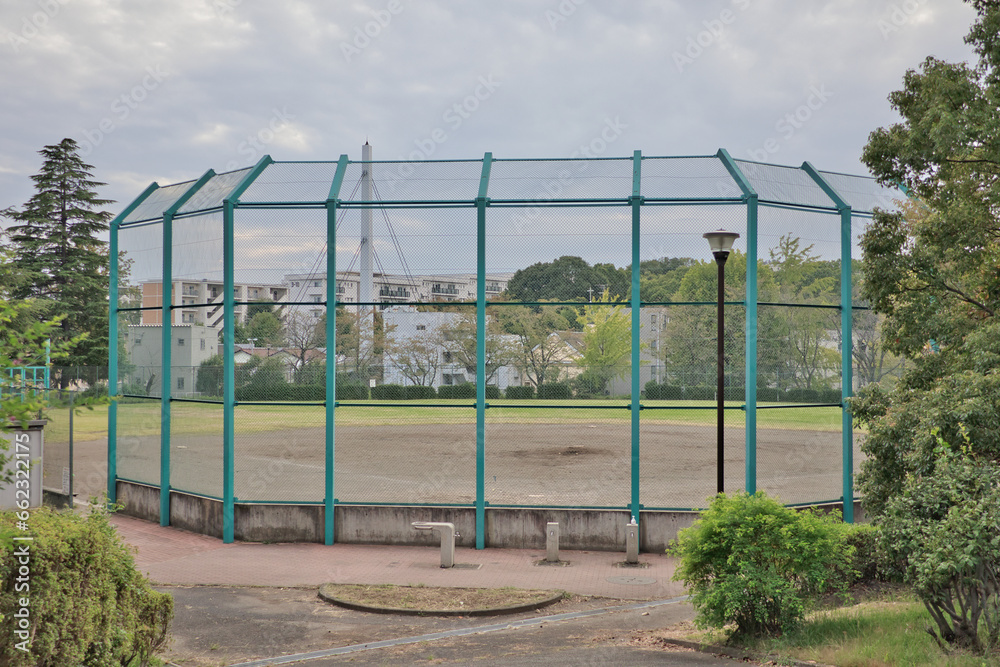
(415, 392)
(519, 392)
(464, 390)
(307, 392)
(653, 391)
(555, 390)
(751, 562)
(699, 393)
(387, 392)
(351, 391)
(493, 392)
(734, 393)
(871, 562)
(88, 603)
(943, 530)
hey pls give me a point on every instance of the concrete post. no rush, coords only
(632, 542)
(447, 539)
(552, 542)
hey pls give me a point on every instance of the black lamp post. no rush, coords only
(721, 243)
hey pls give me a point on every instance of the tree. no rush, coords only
(418, 357)
(607, 344)
(542, 348)
(566, 279)
(459, 340)
(265, 329)
(689, 351)
(303, 334)
(361, 342)
(659, 279)
(930, 268)
(802, 278)
(56, 245)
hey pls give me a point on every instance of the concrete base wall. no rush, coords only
(591, 530)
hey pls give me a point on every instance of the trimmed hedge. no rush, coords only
(307, 392)
(388, 392)
(89, 605)
(352, 392)
(518, 392)
(493, 391)
(464, 390)
(555, 390)
(414, 392)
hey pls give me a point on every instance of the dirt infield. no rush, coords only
(576, 464)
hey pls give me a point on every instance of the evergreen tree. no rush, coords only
(55, 244)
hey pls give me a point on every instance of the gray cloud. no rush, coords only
(164, 91)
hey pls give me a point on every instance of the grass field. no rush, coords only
(195, 418)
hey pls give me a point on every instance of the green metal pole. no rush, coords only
(329, 499)
(229, 204)
(847, 361)
(166, 319)
(112, 365)
(750, 346)
(750, 383)
(113, 335)
(847, 338)
(482, 202)
(229, 377)
(166, 365)
(635, 504)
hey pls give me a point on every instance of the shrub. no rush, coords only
(699, 393)
(519, 392)
(555, 390)
(943, 530)
(307, 392)
(751, 562)
(414, 392)
(493, 392)
(734, 393)
(670, 392)
(351, 391)
(88, 603)
(464, 390)
(387, 392)
(654, 391)
(871, 562)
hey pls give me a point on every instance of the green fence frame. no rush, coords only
(230, 204)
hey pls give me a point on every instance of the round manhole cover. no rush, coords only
(632, 581)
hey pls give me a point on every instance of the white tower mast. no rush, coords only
(366, 287)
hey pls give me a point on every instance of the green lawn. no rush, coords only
(193, 418)
(873, 634)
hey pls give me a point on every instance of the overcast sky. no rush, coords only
(162, 91)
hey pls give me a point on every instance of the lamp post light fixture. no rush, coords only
(721, 243)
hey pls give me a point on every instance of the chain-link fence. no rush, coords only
(537, 333)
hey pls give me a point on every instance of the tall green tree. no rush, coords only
(567, 279)
(541, 348)
(607, 344)
(931, 268)
(807, 358)
(56, 244)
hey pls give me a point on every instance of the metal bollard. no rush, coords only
(447, 539)
(632, 542)
(552, 542)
